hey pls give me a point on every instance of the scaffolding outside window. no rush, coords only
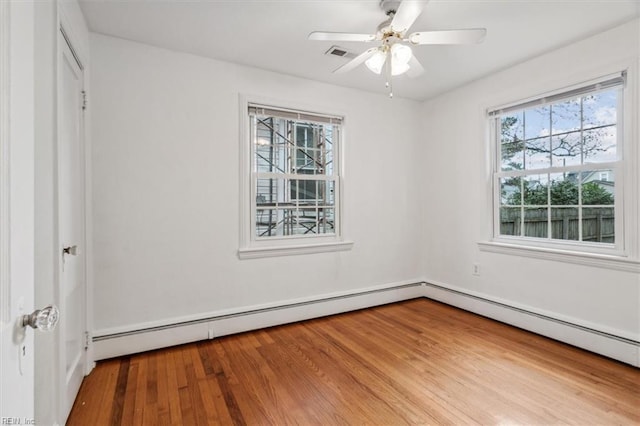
(294, 173)
(558, 168)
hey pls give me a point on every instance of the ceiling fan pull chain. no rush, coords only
(388, 73)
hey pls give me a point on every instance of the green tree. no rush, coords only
(561, 192)
(594, 194)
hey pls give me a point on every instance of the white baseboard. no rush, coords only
(612, 344)
(149, 336)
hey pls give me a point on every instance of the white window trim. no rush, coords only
(616, 262)
(251, 248)
(625, 257)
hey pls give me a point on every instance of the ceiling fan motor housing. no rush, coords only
(390, 7)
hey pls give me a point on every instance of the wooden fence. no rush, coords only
(598, 224)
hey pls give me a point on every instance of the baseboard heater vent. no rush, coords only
(535, 314)
(255, 311)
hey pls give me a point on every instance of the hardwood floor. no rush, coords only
(415, 362)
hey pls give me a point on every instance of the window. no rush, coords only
(294, 180)
(559, 168)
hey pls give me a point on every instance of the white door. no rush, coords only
(17, 212)
(71, 226)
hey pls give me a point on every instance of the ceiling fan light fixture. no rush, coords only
(399, 68)
(392, 56)
(376, 62)
(400, 57)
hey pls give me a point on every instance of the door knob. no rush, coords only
(42, 319)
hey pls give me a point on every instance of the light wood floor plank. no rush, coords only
(92, 392)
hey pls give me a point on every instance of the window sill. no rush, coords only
(273, 251)
(618, 263)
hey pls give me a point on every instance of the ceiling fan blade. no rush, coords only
(470, 36)
(406, 15)
(327, 36)
(356, 61)
(415, 67)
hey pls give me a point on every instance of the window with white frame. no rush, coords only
(559, 168)
(295, 174)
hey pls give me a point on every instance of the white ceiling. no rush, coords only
(272, 34)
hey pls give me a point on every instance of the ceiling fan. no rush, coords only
(394, 55)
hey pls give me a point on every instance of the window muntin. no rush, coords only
(559, 166)
(294, 175)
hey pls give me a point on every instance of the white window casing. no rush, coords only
(617, 175)
(291, 177)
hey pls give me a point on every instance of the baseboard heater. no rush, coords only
(618, 347)
(111, 344)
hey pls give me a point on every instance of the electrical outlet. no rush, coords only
(476, 269)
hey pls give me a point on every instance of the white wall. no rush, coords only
(457, 203)
(166, 186)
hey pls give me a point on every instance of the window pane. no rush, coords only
(326, 221)
(566, 116)
(564, 223)
(510, 218)
(267, 221)
(538, 143)
(598, 224)
(512, 156)
(564, 189)
(566, 149)
(598, 187)
(600, 145)
(267, 191)
(304, 191)
(327, 149)
(510, 191)
(535, 190)
(328, 163)
(270, 158)
(536, 154)
(306, 221)
(307, 161)
(329, 196)
(512, 127)
(313, 152)
(322, 193)
(511, 139)
(536, 222)
(599, 109)
(306, 135)
(537, 121)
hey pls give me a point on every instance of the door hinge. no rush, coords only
(86, 340)
(84, 100)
